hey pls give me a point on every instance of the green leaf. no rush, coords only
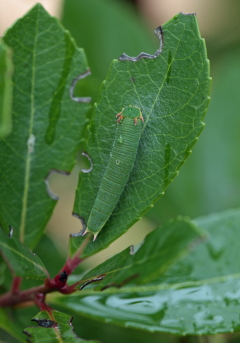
(11, 328)
(106, 39)
(20, 260)
(107, 333)
(161, 248)
(172, 91)
(6, 69)
(198, 294)
(53, 328)
(200, 187)
(47, 123)
(50, 254)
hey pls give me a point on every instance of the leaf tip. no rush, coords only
(192, 13)
(95, 236)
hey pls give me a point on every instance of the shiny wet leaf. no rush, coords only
(197, 294)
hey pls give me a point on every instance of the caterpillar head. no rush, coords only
(130, 111)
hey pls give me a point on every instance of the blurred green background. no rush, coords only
(209, 180)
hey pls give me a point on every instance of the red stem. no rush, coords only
(37, 294)
(40, 302)
(16, 284)
(10, 299)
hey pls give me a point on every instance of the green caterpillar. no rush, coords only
(120, 164)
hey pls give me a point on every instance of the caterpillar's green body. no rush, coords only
(120, 164)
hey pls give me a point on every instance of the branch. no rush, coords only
(36, 295)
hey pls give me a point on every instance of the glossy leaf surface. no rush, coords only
(172, 91)
(199, 294)
(47, 123)
(6, 69)
(20, 260)
(53, 328)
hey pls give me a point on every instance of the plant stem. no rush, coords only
(16, 284)
(11, 299)
(37, 294)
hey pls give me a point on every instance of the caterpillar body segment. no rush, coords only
(120, 164)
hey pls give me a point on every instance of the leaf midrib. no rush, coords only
(28, 157)
(150, 288)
